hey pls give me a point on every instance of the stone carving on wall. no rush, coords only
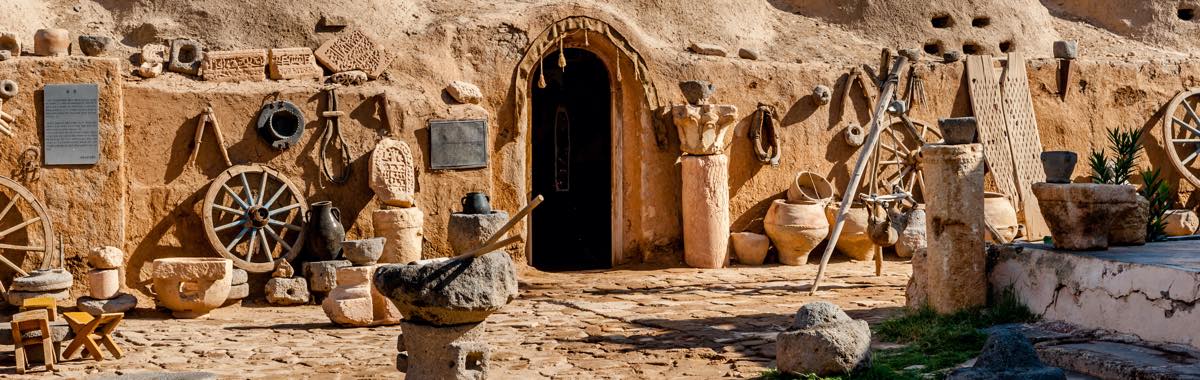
(293, 63)
(392, 173)
(356, 50)
(235, 65)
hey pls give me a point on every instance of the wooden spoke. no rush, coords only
(262, 189)
(11, 201)
(236, 198)
(26, 248)
(285, 208)
(19, 226)
(229, 210)
(237, 239)
(1185, 141)
(247, 189)
(1185, 125)
(1185, 161)
(253, 245)
(292, 227)
(230, 225)
(275, 197)
(265, 245)
(277, 239)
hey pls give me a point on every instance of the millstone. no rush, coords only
(44, 281)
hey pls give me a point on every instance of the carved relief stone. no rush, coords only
(186, 57)
(703, 129)
(293, 63)
(235, 65)
(152, 59)
(392, 175)
(356, 50)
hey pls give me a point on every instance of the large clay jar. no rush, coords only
(192, 286)
(325, 231)
(912, 238)
(999, 213)
(810, 187)
(51, 42)
(795, 228)
(750, 248)
(855, 241)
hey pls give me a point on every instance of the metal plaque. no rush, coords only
(458, 144)
(71, 124)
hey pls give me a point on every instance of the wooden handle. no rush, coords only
(490, 247)
(513, 220)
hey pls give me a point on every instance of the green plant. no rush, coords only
(1126, 148)
(1156, 190)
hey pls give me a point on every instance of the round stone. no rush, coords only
(44, 281)
(119, 304)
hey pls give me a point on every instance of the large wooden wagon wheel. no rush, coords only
(898, 164)
(1181, 134)
(254, 216)
(24, 224)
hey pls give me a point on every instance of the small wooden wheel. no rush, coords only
(1181, 133)
(28, 229)
(254, 216)
(898, 157)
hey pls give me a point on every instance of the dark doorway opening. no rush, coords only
(571, 144)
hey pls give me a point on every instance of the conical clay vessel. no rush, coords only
(795, 228)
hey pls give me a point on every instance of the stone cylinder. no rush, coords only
(403, 229)
(52, 42)
(104, 283)
(706, 210)
(955, 262)
(470, 231)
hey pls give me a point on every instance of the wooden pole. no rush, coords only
(885, 97)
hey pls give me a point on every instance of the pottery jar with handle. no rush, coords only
(325, 231)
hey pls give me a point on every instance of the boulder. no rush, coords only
(239, 291)
(104, 283)
(707, 49)
(283, 269)
(322, 275)
(10, 43)
(94, 46)
(239, 276)
(106, 258)
(824, 341)
(745, 53)
(450, 292)
(697, 92)
(470, 231)
(119, 304)
(1181, 222)
(287, 291)
(464, 92)
(1008, 355)
(43, 281)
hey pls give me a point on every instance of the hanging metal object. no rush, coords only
(280, 123)
(8, 89)
(209, 117)
(28, 168)
(332, 133)
(763, 128)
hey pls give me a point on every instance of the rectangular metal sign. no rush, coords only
(71, 124)
(458, 144)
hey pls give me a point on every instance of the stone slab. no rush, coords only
(355, 50)
(1141, 290)
(235, 65)
(120, 304)
(293, 63)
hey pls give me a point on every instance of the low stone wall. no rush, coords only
(1149, 291)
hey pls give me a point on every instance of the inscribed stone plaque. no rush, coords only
(71, 124)
(235, 65)
(356, 50)
(458, 144)
(293, 63)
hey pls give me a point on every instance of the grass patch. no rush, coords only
(935, 342)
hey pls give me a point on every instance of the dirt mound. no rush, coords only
(1162, 22)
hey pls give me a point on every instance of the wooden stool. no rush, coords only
(31, 321)
(88, 328)
(47, 303)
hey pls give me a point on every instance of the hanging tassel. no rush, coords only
(562, 59)
(585, 37)
(541, 74)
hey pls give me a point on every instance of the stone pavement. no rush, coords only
(631, 323)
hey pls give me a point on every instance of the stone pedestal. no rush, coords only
(955, 262)
(470, 231)
(1089, 216)
(104, 283)
(706, 210)
(322, 275)
(443, 352)
(356, 302)
(402, 227)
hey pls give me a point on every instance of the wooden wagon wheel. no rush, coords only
(1181, 133)
(29, 228)
(254, 216)
(898, 157)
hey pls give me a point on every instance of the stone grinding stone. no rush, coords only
(19, 297)
(824, 341)
(470, 231)
(119, 304)
(450, 292)
(1008, 355)
(239, 291)
(60, 331)
(43, 281)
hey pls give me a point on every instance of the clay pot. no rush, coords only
(1180, 222)
(363, 252)
(912, 238)
(476, 203)
(1081, 214)
(855, 241)
(998, 211)
(810, 187)
(325, 231)
(750, 248)
(192, 286)
(51, 42)
(1059, 165)
(795, 228)
(958, 130)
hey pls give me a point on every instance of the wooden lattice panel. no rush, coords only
(986, 104)
(1026, 143)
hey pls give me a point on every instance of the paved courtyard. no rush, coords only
(630, 323)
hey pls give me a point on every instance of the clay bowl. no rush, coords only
(1059, 165)
(363, 252)
(958, 130)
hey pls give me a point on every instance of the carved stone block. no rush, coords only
(186, 57)
(355, 50)
(235, 65)
(393, 176)
(293, 63)
(704, 129)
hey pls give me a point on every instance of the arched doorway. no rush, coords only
(571, 143)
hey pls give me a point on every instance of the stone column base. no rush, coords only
(442, 352)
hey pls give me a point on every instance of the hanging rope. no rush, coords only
(763, 128)
(333, 131)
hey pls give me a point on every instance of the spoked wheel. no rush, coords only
(24, 224)
(1181, 134)
(898, 166)
(254, 216)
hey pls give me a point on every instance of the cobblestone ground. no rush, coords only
(664, 323)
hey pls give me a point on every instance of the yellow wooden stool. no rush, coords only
(36, 303)
(29, 321)
(88, 328)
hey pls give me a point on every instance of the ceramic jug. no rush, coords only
(476, 203)
(325, 231)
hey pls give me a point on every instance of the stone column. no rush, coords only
(706, 210)
(402, 227)
(955, 260)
